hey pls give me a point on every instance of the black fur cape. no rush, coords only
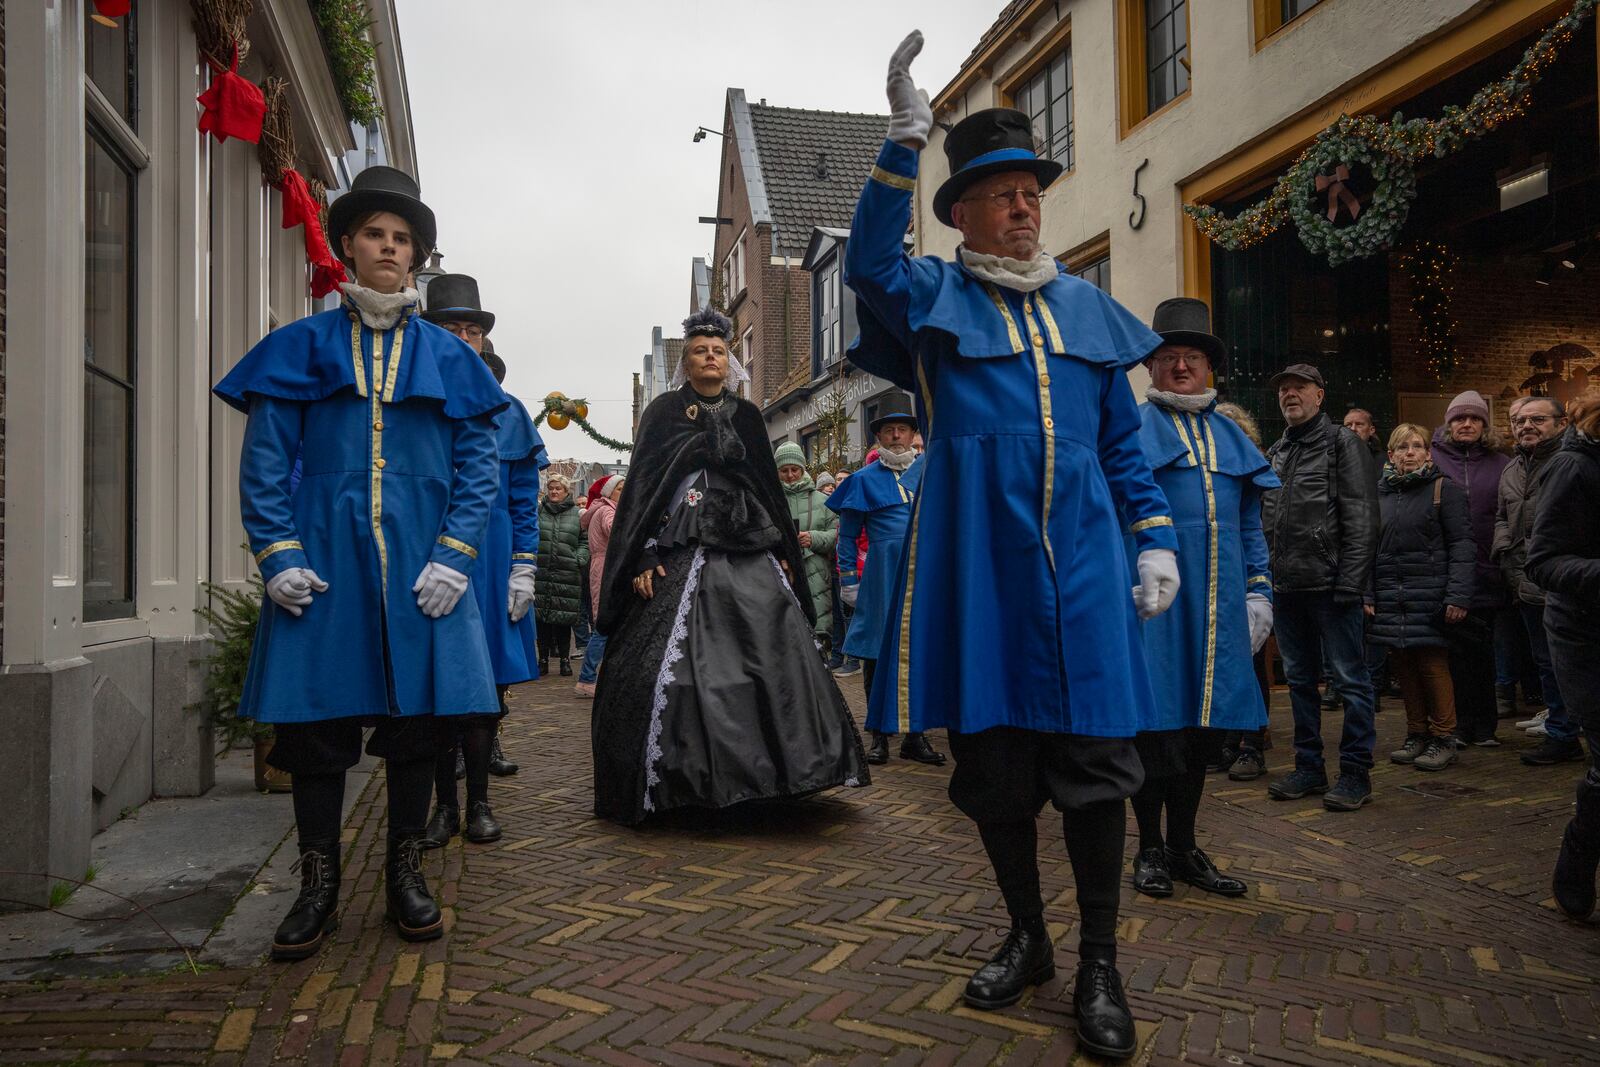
(678, 436)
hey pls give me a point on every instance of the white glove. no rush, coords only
(519, 591)
(291, 589)
(1260, 610)
(911, 116)
(848, 593)
(438, 589)
(1158, 582)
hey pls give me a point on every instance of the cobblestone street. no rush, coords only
(842, 930)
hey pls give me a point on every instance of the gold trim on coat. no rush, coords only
(893, 180)
(375, 504)
(1151, 523)
(462, 547)
(356, 358)
(1208, 463)
(276, 547)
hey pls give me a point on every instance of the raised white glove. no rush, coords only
(848, 593)
(1158, 582)
(910, 114)
(1260, 610)
(439, 589)
(291, 589)
(519, 591)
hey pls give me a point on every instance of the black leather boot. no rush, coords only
(1025, 958)
(544, 666)
(445, 824)
(461, 763)
(566, 667)
(1105, 1025)
(916, 747)
(1150, 874)
(314, 913)
(1196, 868)
(879, 752)
(481, 827)
(410, 906)
(1573, 881)
(499, 766)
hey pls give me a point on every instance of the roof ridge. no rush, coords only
(819, 111)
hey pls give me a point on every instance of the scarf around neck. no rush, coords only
(380, 311)
(1023, 275)
(1423, 473)
(1196, 402)
(898, 462)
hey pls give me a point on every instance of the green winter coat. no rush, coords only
(809, 510)
(563, 564)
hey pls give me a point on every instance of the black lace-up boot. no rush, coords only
(314, 913)
(411, 906)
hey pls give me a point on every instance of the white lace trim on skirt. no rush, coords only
(664, 676)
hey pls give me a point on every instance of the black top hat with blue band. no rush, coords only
(896, 407)
(454, 298)
(993, 141)
(385, 189)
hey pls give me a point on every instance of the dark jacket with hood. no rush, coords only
(563, 563)
(1323, 524)
(1519, 499)
(1425, 559)
(1564, 552)
(1476, 468)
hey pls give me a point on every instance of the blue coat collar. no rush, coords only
(1236, 455)
(873, 488)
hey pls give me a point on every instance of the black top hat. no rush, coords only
(896, 407)
(385, 189)
(988, 142)
(1183, 320)
(497, 366)
(454, 298)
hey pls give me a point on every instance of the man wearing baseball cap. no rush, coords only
(1322, 527)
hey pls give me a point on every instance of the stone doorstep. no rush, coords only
(213, 869)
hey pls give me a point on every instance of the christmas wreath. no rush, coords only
(1322, 194)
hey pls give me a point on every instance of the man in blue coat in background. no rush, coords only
(1013, 626)
(879, 498)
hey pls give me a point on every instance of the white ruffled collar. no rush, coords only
(380, 311)
(1024, 275)
(1195, 402)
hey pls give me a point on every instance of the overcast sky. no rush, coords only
(555, 145)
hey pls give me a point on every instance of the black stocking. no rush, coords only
(318, 808)
(1147, 805)
(408, 796)
(1094, 836)
(1013, 849)
(444, 778)
(1183, 801)
(477, 736)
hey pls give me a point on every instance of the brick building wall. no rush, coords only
(1503, 317)
(785, 325)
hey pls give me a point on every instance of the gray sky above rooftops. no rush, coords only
(556, 148)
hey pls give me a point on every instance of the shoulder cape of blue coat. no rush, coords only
(313, 358)
(872, 488)
(1237, 455)
(516, 437)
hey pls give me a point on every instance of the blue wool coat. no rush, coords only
(1213, 477)
(396, 434)
(1019, 612)
(875, 498)
(512, 537)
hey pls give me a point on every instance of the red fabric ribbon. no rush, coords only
(233, 106)
(1338, 193)
(113, 9)
(300, 209)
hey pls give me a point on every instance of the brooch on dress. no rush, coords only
(692, 497)
(693, 411)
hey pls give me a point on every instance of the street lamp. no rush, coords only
(701, 131)
(428, 273)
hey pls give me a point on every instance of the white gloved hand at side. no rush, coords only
(519, 590)
(1260, 609)
(1158, 582)
(291, 589)
(848, 594)
(439, 589)
(910, 114)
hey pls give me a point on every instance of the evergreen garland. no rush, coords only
(352, 57)
(232, 615)
(567, 407)
(1390, 151)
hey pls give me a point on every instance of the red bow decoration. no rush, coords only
(113, 9)
(233, 106)
(1338, 193)
(300, 209)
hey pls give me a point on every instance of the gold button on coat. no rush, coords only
(378, 425)
(1038, 340)
(380, 464)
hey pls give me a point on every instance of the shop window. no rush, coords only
(1046, 98)
(1155, 56)
(110, 372)
(1273, 15)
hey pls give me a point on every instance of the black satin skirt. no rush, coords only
(713, 694)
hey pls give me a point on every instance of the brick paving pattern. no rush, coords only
(841, 931)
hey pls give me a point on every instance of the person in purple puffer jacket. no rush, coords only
(1467, 450)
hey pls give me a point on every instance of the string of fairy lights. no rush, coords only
(1390, 150)
(1430, 268)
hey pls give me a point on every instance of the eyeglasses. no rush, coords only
(1002, 201)
(465, 332)
(1531, 420)
(1171, 359)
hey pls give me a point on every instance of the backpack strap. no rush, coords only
(1438, 492)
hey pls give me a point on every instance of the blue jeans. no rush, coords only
(592, 655)
(580, 629)
(1306, 624)
(1559, 725)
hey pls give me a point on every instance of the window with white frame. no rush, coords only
(733, 268)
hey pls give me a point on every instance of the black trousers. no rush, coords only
(1472, 675)
(318, 754)
(1573, 634)
(555, 639)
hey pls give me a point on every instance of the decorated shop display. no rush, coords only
(1316, 192)
(560, 411)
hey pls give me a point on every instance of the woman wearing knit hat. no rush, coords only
(597, 524)
(818, 530)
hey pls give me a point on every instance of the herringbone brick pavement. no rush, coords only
(841, 931)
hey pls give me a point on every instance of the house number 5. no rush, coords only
(1136, 218)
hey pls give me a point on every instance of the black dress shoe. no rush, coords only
(481, 826)
(312, 917)
(410, 906)
(499, 766)
(544, 666)
(1150, 874)
(879, 752)
(445, 824)
(1105, 1025)
(1573, 881)
(461, 763)
(1025, 958)
(566, 667)
(916, 747)
(1196, 868)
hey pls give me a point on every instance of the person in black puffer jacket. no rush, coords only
(1564, 559)
(1422, 583)
(563, 573)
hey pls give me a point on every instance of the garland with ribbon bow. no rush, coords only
(233, 106)
(300, 206)
(1312, 192)
(562, 409)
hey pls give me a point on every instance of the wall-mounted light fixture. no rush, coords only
(1523, 186)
